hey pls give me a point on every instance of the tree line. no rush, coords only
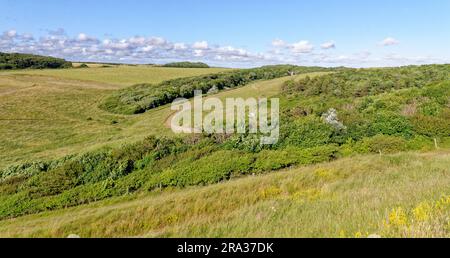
(9, 61)
(186, 65)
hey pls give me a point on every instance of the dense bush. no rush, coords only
(307, 132)
(431, 126)
(389, 123)
(64, 186)
(377, 144)
(214, 168)
(23, 61)
(364, 82)
(187, 65)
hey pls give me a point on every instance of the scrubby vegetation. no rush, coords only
(365, 82)
(142, 97)
(187, 65)
(400, 195)
(10, 61)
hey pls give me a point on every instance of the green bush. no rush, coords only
(55, 181)
(187, 65)
(306, 132)
(431, 126)
(23, 61)
(214, 168)
(376, 144)
(389, 123)
(269, 160)
(365, 82)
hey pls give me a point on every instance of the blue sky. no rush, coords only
(231, 33)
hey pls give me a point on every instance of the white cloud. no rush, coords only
(389, 41)
(198, 52)
(137, 41)
(141, 49)
(328, 45)
(200, 45)
(179, 46)
(302, 47)
(278, 43)
(157, 41)
(11, 33)
(82, 37)
(148, 48)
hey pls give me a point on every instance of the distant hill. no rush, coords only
(9, 61)
(187, 65)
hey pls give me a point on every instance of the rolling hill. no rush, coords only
(353, 144)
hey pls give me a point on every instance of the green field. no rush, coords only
(124, 75)
(352, 197)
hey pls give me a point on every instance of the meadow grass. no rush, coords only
(351, 197)
(52, 113)
(124, 75)
(46, 117)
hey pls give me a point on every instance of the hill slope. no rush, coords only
(52, 113)
(352, 197)
(338, 115)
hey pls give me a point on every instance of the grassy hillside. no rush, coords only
(123, 75)
(43, 114)
(352, 197)
(151, 122)
(46, 117)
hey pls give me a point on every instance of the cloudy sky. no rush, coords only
(231, 33)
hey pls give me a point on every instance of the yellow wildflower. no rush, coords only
(398, 217)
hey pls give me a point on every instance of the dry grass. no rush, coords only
(352, 197)
(123, 75)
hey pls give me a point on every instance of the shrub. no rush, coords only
(306, 132)
(214, 168)
(23, 61)
(269, 160)
(55, 181)
(431, 126)
(377, 144)
(389, 123)
(365, 82)
(187, 65)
